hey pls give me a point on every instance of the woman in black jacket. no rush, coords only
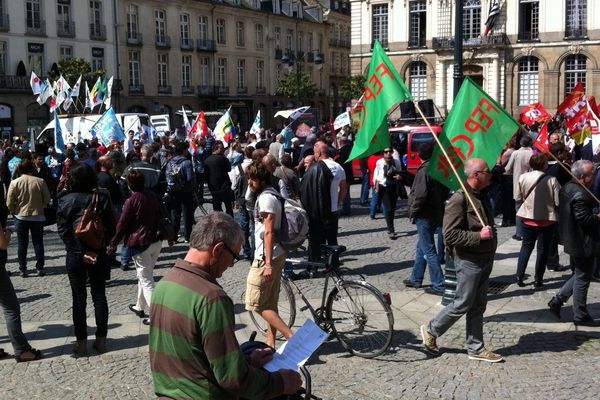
(82, 182)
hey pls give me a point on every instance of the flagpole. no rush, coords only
(573, 176)
(458, 178)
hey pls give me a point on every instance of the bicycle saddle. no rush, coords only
(335, 249)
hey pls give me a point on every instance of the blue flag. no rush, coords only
(59, 143)
(107, 128)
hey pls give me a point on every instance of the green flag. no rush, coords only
(476, 127)
(383, 90)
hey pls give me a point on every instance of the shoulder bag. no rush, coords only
(89, 228)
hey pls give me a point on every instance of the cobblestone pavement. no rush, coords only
(543, 359)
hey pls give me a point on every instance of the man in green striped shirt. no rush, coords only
(194, 353)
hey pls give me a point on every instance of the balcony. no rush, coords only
(97, 32)
(117, 86)
(278, 54)
(134, 38)
(261, 90)
(334, 42)
(35, 27)
(13, 83)
(162, 41)
(206, 90)
(528, 36)
(223, 90)
(187, 89)
(319, 58)
(186, 44)
(300, 55)
(384, 43)
(576, 33)
(164, 89)
(65, 29)
(136, 89)
(4, 23)
(242, 90)
(345, 43)
(417, 43)
(447, 43)
(205, 45)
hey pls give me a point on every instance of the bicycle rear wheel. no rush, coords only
(286, 308)
(360, 318)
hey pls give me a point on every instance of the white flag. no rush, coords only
(75, 90)
(45, 93)
(62, 91)
(256, 125)
(108, 92)
(35, 83)
(88, 99)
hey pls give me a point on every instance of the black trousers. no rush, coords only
(321, 232)
(389, 198)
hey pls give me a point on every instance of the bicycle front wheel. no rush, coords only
(286, 308)
(360, 318)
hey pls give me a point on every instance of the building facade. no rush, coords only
(537, 50)
(36, 34)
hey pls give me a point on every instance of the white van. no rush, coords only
(76, 127)
(161, 123)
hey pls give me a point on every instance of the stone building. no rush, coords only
(537, 50)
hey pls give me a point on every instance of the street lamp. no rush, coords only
(290, 58)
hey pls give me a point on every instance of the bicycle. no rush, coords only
(354, 311)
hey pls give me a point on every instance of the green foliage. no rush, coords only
(71, 68)
(288, 86)
(353, 88)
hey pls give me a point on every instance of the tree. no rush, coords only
(72, 68)
(353, 88)
(288, 86)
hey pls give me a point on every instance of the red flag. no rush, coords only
(534, 112)
(575, 108)
(541, 140)
(573, 103)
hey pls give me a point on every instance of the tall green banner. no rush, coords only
(476, 127)
(383, 90)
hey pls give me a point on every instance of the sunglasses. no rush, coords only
(387, 151)
(236, 257)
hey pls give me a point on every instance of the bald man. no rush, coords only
(473, 245)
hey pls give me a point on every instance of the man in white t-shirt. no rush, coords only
(264, 277)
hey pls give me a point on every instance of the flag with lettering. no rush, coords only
(476, 127)
(383, 90)
(107, 128)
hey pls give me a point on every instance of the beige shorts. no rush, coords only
(260, 294)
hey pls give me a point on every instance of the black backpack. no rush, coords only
(174, 175)
(239, 191)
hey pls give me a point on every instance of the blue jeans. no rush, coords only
(364, 188)
(441, 248)
(243, 219)
(37, 237)
(346, 203)
(373, 204)
(531, 234)
(427, 255)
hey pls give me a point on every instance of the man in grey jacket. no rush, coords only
(473, 247)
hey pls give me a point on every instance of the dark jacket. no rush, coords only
(216, 168)
(70, 208)
(139, 220)
(427, 197)
(106, 181)
(461, 226)
(577, 223)
(315, 193)
(154, 177)
(558, 172)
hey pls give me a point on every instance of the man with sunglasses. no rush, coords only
(473, 247)
(193, 349)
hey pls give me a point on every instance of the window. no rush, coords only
(184, 29)
(528, 81)
(471, 20)
(418, 80)
(65, 52)
(63, 18)
(160, 26)
(96, 18)
(186, 71)
(203, 27)
(379, 24)
(260, 74)
(132, 22)
(33, 15)
(289, 39)
(260, 37)
(163, 70)
(277, 34)
(529, 19)
(221, 39)
(575, 66)
(576, 16)
(97, 58)
(301, 41)
(222, 72)
(241, 74)
(2, 58)
(204, 71)
(134, 69)
(35, 57)
(417, 20)
(239, 34)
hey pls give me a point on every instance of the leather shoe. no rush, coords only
(146, 321)
(587, 322)
(411, 284)
(139, 313)
(559, 268)
(517, 237)
(520, 282)
(434, 292)
(555, 307)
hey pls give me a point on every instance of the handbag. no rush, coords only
(89, 228)
(166, 231)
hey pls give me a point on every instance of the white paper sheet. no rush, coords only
(296, 351)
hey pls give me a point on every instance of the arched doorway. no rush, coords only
(474, 72)
(37, 117)
(6, 121)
